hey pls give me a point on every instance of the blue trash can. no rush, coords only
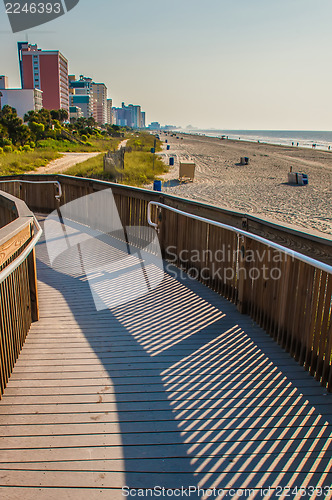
(157, 185)
(168, 147)
(152, 150)
(171, 161)
(166, 141)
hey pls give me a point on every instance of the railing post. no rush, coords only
(162, 216)
(243, 278)
(32, 270)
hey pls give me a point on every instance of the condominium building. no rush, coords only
(109, 111)
(84, 102)
(75, 113)
(81, 94)
(121, 117)
(99, 91)
(143, 119)
(46, 70)
(91, 97)
(135, 112)
(23, 100)
(129, 116)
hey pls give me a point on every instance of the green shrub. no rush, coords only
(37, 129)
(84, 138)
(51, 134)
(27, 148)
(5, 142)
(1, 151)
(8, 149)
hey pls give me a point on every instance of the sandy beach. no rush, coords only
(260, 188)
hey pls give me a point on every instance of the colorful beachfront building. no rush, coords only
(91, 97)
(46, 70)
(81, 94)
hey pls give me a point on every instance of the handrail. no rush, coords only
(240, 232)
(57, 196)
(18, 261)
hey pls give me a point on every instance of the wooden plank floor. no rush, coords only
(173, 390)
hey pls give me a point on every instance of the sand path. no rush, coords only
(62, 164)
(68, 160)
(123, 144)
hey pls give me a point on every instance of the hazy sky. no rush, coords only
(228, 64)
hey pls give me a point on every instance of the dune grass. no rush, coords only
(21, 162)
(18, 162)
(143, 141)
(93, 167)
(93, 145)
(138, 169)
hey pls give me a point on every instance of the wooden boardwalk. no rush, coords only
(173, 390)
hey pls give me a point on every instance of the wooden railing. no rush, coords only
(8, 211)
(288, 297)
(18, 281)
(42, 198)
(288, 294)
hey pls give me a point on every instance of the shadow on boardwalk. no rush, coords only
(180, 391)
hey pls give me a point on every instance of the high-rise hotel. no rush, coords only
(99, 102)
(91, 97)
(46, 70)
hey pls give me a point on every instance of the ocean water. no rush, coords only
(302, 138)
